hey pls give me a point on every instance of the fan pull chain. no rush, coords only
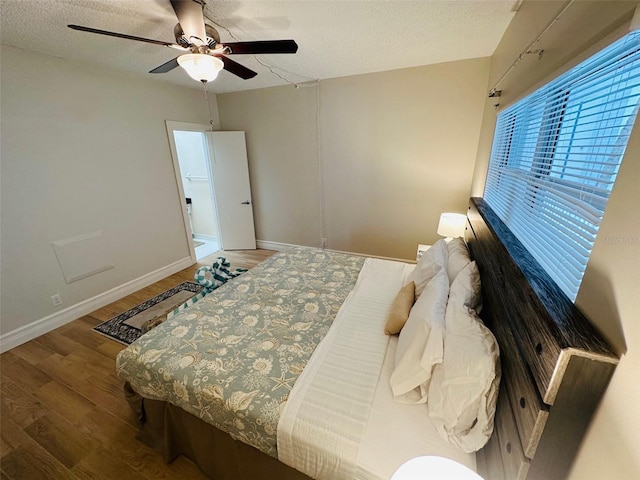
(206, 98)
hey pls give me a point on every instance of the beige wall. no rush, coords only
(282, 150)
(390, 151)
(84, 149)
(608, 295)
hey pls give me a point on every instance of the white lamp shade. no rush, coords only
(434, 468)
(452, 225)
(201, 67)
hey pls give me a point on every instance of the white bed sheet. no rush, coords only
(398, 432)
(327, 410)
(389, 433)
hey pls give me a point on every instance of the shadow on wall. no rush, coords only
(601, 301)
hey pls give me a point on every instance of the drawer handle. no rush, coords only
(523, 403)
(539, 348)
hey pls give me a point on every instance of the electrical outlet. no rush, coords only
(56, 300)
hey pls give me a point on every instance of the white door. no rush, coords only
(231, 188)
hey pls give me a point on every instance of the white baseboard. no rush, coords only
(403, 260)
(206, 238)
(277, 246)
(39, 327)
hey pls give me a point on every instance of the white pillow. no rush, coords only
(458, 257)
(420, 344)
(466, 289)
(430, 263)
(464, 387)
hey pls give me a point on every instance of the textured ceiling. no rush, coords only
(336, 38)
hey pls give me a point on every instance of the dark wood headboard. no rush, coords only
(555, 365)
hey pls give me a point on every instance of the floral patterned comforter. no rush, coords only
(232, 358)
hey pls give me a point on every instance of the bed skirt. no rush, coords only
(172, 431)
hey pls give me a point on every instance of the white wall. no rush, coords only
(85, 149)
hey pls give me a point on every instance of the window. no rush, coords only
(556, 154)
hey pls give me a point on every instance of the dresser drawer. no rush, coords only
(514, 461)
(489, 459)
(529, 411)
(540, 351)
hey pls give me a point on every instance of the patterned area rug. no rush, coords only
(128, 326)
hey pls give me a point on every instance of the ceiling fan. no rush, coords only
(207, 56)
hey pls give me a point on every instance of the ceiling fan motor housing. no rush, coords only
(213, 37)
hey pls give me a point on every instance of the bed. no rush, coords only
(286, 369)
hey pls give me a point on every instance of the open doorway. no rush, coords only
(198, 191)
(219, 167)
(191, 163)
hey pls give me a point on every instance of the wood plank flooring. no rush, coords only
(62, 410)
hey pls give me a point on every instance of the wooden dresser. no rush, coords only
(555, 365)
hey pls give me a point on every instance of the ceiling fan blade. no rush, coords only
(122, 35)
(234, 67)
(166, 67)
(262, 46)
(191, 19)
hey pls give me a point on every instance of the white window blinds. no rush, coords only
(556, 154)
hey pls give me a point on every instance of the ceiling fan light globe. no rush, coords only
(201, 67)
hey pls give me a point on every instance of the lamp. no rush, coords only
(436, 468)
(452, 225)
(201, 67)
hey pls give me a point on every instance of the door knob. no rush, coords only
(247, 202)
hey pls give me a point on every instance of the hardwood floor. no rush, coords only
(63, 414)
